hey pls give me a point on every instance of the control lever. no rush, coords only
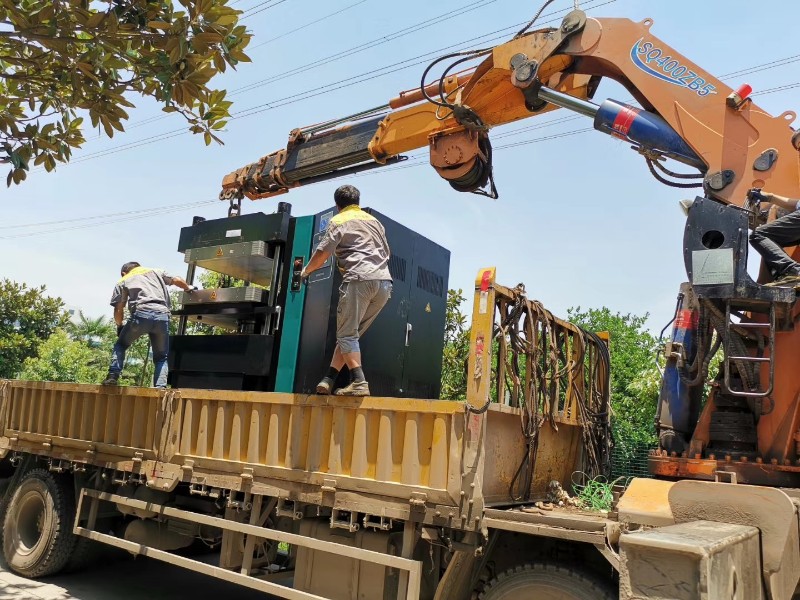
(409, 329)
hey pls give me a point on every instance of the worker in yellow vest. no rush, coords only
(145, 291)
(358, 241)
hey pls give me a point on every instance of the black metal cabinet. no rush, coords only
(402, 351)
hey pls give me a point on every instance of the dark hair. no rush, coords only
(128, 267)
(346, 195)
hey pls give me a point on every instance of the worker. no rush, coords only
(770, 239)
(358, 241)
(145, 291)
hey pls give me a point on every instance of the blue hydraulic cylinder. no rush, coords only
(628, 123)
(644, 129)
(679, 404)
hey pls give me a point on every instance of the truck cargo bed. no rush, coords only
(385, 456)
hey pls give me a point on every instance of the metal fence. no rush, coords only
(630, 462)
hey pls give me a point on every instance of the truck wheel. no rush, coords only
(37, 528)
(545, 581)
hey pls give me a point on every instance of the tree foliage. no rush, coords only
(92, 331)
(456, 348)
(61, 60)
(27, 317)
(81, 353)
(634, 377)
(61, 358)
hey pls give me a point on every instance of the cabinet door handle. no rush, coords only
(409, 329)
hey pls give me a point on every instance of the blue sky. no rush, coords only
(580, 220)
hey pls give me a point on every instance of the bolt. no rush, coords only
(773, 461)
(728, 458)
(684, 455)
(759, 460)
(744, 459)
(463, 493)
(697, 456)
(787, 462)
(673, 454)
(438, 513)
(472, 485)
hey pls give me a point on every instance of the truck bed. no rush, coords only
(385, 456)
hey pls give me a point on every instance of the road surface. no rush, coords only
(124, 578)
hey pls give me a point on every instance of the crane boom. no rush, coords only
(687, 115)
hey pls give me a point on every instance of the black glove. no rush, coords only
(192, 288)
(119, 329)
(755, 195)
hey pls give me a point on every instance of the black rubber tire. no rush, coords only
(85, 553)
(546, 581)
(37, 527)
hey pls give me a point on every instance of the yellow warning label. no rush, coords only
(219, 251)
(214, 295)
(428, 307)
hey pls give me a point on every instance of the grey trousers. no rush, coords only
(359, 305)
(770, 239)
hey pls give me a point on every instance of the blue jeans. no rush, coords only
(144, 322)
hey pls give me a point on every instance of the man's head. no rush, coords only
(128, 267)
(346, 195)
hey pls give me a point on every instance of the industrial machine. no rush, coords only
(273, 332)
(751, 423)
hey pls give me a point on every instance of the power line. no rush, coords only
(446, 16)
(780, 88)
(106, 216)
(309, 24)
(97, 221)
(319, 90)
(374, 74)
(259, 8)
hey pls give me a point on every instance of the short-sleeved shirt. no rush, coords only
(143, 288)
(358, 241)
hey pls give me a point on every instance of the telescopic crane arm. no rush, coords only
(688, 115)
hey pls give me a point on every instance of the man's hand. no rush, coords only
(756, 195)
(191, 288)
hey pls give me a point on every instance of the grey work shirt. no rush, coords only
(359, 242)
(144, 289)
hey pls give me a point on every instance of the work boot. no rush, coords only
(111, 379)
(356, 388)
(325, 386)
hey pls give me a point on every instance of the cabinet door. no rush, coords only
(427, 308)
(383, 345)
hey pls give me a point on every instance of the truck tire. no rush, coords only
(545, 581)
(37, 528)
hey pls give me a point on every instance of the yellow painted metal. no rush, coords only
(646, 502)
(559, 453)
(383, 456)
(389, 446)
(89, 420)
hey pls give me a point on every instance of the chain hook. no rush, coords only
(235, 208)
